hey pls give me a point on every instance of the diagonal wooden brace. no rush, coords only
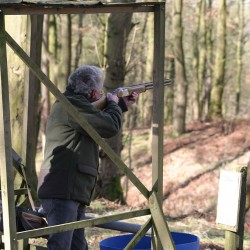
(139, 235)
(160, 223)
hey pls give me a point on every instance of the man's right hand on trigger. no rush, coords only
(113, 98)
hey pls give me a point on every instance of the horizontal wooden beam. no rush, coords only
(81, 224)
(75, 8)
(21, 191)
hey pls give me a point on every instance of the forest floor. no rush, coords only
(191, 171)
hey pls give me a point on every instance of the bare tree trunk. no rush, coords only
(45, 100)
(53, 49)
(31, 114)
(195, 64)
(169, 93)
(220, 61)
(200, 59)
(119, 26)
(16, 26)
(78, 47)
(148, 96)
(65, 52)
(179, 118)
(239, 53)
(209, 63)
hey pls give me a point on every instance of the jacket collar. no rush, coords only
(70, 92)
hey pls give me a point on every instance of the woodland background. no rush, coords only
(207, 49)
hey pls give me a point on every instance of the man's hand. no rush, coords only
(131, 99)
(111, 97)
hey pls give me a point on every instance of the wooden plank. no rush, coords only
(91, 2)
(139, 235)
(82, 3)
(20, 191)
(60, 2)
(158, 104)
(10, 1)
(7, 171)
(40, 10)
(81, 224)
(74, 8)
(158, 100)
(75, 114)
(160, 223)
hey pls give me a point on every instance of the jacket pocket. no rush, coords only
(85, 183)
(85, 169)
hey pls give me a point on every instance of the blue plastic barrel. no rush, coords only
(182, 241)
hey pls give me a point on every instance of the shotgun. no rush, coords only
(128, 90)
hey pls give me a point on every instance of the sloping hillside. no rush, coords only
(192, 166)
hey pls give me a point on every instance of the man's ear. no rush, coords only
(93, 94)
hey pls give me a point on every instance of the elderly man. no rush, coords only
(70, 167)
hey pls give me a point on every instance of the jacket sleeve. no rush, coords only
(107, 123)
(122, 105)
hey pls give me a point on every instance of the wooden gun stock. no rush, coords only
(128, 90)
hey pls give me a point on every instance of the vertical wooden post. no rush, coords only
(158, 99)
(158, 128)
(157, 124)
(234, 240)
(7, 171)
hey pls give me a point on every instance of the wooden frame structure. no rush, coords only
(154, 196)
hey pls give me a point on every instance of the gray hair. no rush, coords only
(85, 79)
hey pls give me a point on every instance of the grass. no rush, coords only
(205, 230)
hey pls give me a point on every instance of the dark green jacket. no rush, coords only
(70, 165)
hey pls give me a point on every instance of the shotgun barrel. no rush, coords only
(139, 88)
(128, 90)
